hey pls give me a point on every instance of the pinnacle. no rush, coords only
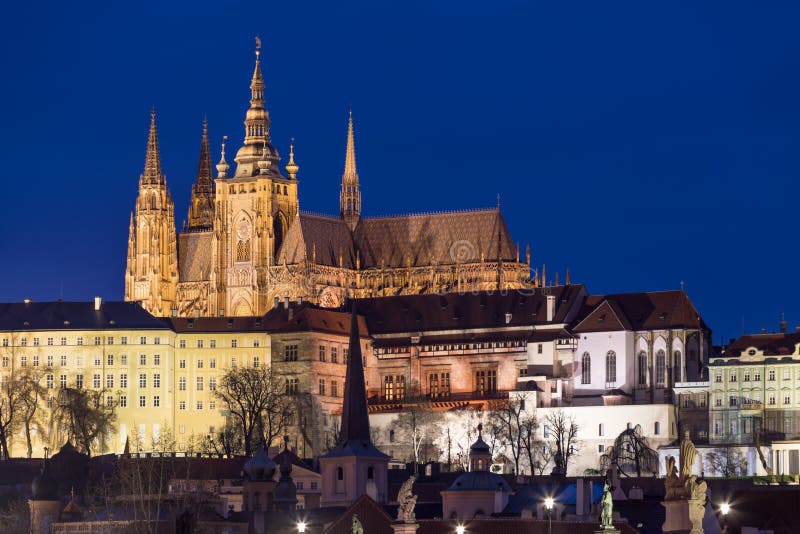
(152, 161)
(350, 172)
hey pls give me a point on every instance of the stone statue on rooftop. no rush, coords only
(687, 454)
(406, 501)
(356, 527)
(606, 509)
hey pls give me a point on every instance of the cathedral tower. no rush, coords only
(201, 210)
(350, 200)
(151, 276)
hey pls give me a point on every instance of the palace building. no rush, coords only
(246, 244)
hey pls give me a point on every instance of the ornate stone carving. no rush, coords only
(406, 501)
(355, 526)
(606, 509)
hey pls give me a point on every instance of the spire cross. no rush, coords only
(498, 201)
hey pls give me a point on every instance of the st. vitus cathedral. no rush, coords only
(246, 244)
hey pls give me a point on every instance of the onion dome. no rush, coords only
(260, 467)
(44, 486)
(480, 446)
(292, 167)
(222, 166)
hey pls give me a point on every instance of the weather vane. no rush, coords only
(258, 45)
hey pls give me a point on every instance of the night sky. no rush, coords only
(638, 145)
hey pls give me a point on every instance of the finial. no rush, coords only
(567, 281)
(498, 201)
(682, 285)
(292, 167)
(222, 166)
(258, 46)
(72, 492)
(153, 113)
(480, 430)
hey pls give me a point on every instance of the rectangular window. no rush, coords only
(79, 381)
(290, 353)
(157, 380)
(787, 399)
(256, 343)
(36, 342)
(110, 340)
(322, 386)
(657, 428)
(96, 340)
(109, 401)
(182, 383)
(439, 384)
(233, 362)
(123, 380)
(212, 406)
(213, 343)
(156, 401)
(394, 387)
(123, 401)
(23, 361)
(156, 341)
(182, 344)
(771, 400)
(49, 340)
(182, 405)
(6, 361)
(110, 359)
(80, 341)
(485, 381)
(143, 340)
(746, 376)
(182, 364)
(142, 380)
(142, 359)
(50, 381)
(255, 361)
(124, 340)
(733, 400)
(733, 376)
(601, 430)
(291, 385)
(63, 341)
(5, 342)
(787, 374)
(199, 343)
(718, 377)
(123, 359)
(199, 363)
(109, 381)
(97, 361)
(142, 401)
(771, 375)
(334, 355)
(156, 359)
(63, 360)
(199, 405)
(334, 388)
(234, 343)
(96, 381)
(701, 400)
(346, 354)
(212, 383)
(199, 383)
(36, 360)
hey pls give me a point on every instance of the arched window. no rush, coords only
(661, 368)
(642, 368)
(676, 365)
(278, 231)
(586, 368)
(339, 473)
(243, 250)
(611, 366)
(391, 436)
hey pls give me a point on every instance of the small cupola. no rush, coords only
(480, 455)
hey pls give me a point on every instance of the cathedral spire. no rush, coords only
(350, 199)
(152, 160)
(257, 119)
(201, 209)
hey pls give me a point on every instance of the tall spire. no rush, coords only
(201, 209)
(152, 161)
(355, 420)
(350, 199)
(257, 120)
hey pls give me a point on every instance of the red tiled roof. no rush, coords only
(641, 311)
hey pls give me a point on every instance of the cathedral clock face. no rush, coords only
(243, 230)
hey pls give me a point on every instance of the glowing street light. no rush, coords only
(301, 526)
(460, 529)
(725, 508)
(548, 504)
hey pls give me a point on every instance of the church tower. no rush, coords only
(201, 210)
(350, 200)
(151, 276)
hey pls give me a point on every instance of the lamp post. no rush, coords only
(724, 508)
(460, 529)
(301, 526)
(548, 504)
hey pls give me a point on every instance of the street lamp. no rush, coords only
(548, 504)
(301, 526)
(460, 529)
(724, 508)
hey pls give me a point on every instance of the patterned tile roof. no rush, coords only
(194, 256)
(655, 310)
(330, 236)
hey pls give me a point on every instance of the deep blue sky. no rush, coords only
(638, 145)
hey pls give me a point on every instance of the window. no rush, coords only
(142, 359)
(79, 381)
(5, 342)
(110, 360)
(718, 377)
(290, 353)
(50, 381)
(212, 405)
(49, 340)
(439, 384)
(62, 381)
(334, 355)
(234, 343)
(661, 368)
(586, 368)
(110, 340)
(346, 354)
(255, 361)
(182, 383)
(123, 401)
(36, 360)
(787, 399)
(109, 401)
(142, 380)
(771, 400)
(142, 340)
(212, 383)
(23, 361)
(657, 428)
(256, 343)
(322, 357)
(291, 385)
(642, 368)
(80, 341)
(182, 364)
(334, 388)
(486, 381)
(36, 342)
(156, 359)
(322, 386)
(601, 430)
(97, 361)
(733, 400)
(5, 361)
(213, 343)
(156, 341)
(96, 340)
(63, 360)
(123, 359)
(611, 367)
(313, 485)
(182, 405)
(182, 344)
(717, 400)
(233, 362)
(733, 376)
(96, 381)
(771, 375)
(109, 381)
(702, 400)
(123, 380)
(199, 405)
(199, 383)
(199, 343)
(142, 401)
(212, 363)
(157, 380)
(123, 340)
(49, 360)
(199, 363)
(156, 401)
(787, 374)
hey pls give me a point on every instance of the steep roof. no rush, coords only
(60, 315)
(484, 309)
(307, 317)
(443, 238)
(769, 344)
(653, 310)
(194, 256)
(370, 514)
(327, 237)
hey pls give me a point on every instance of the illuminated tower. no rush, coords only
(350, 200)
(201, 210)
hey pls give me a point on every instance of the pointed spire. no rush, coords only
(350, 172)
(292, 167)
(205, 179)
(222, 166)
(152, 161)
(350, 199)
(256, 121)
(567, 281)
(355, 420)
(201, 209)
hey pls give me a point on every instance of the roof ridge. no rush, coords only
(319, 214)
(429, 213)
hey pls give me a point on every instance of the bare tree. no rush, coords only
(631, 453)
(258, 403)
(563, 434)
(727, 461)
(83, 416)
(537, 451)
(13, 392)
(508, 417)
(415, 425)
(228, 441)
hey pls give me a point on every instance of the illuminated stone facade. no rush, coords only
(246, 243)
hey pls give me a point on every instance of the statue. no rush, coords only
(606, 509)
(406, 501)
(672, 482)
(687, 454)
(356, 527)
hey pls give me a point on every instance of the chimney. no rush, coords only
(291, 314)
(299, 300)
(286, 303)
(197, 314)
(97, 302)
(277, 301)
(551, 307)
(508, 317)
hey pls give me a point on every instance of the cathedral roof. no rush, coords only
(60, 315)
(194, 256)
(326, 238)
(441, 238)
(656, 310)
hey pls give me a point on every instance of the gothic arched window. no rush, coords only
(676, 363)
(642, 368)
(611, 366)
(243, 250)
(586, 368)
(661, 368)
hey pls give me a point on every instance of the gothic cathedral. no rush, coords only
(247, 245)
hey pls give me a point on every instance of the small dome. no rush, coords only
(44, 486)
(260, 467)
(480, 446)
(480, 481)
